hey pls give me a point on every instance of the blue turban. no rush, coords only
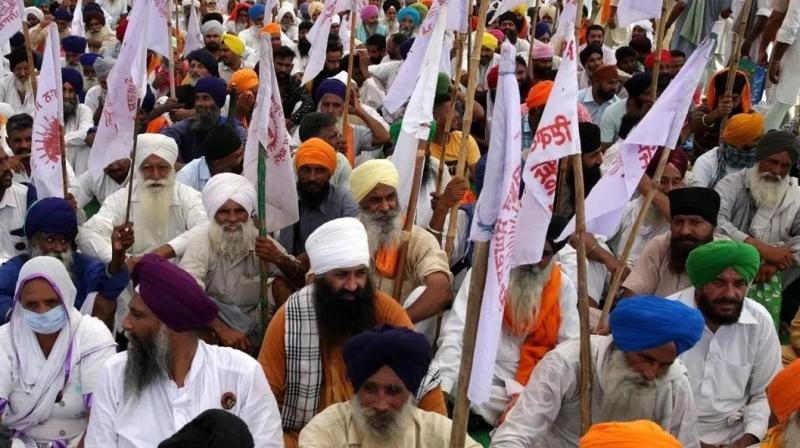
(75, 79)
(214, 87)
(409, 12)
(62, 15)
(405, 47)
(646, 322)
(149, 100)
(405, 351)
(541, 29)
(89, 58)
(205, 57)
(256, 10)
(74, 44)
(51, 215)
(330, 86)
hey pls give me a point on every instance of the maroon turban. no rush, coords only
(172, 294)
(677, 158)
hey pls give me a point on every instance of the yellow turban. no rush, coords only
(244, 79)
(233, 43)
(316, 151)
(634, 434)
(315, 8)
(489, 41)
(520, 10)
(743, 129)
(371, 173)
(272, 29)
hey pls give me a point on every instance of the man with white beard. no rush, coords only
(77, 120)
(783, 394)
(223, 260)
(540, 312)
(162, 210)
(385, 366)
(16, 90)
(635, 376)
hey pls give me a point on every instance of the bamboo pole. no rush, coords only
(659, 46)
(133, 164)
(174, 31)
(346, 119)
(448, 124)
(411, 212)
(29, 51)
(736, 50)
(64, 180)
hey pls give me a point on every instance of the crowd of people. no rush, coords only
(148, 308)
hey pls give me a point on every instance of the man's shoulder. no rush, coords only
(186, 192)
(758, 314)
(116, 364)
(230, 360)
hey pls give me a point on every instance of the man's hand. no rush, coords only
(745, 441)
(232, 338)
(89, 140)
(182, 114)
(122, 238)
(613, 265)
(15, 163)
(510, 405)
(765, 272)
(452, 193)
(355, 103)
(131, 263)
(645, 184)
(723, 109)
(267, 250)
(781, 257)
(774, 71)
(244, 103)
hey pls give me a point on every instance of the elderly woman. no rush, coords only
(50, 359)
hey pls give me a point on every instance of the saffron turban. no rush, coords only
(257, 11)
(225, 187)
(51, 215)
(699, 201)
(205, 58)
(213, 87)
(409, 12)
(103, 66)
(371, 173)
(743, 129)
(542, 51)
(338, 244)
(676, 158)
(645, 322)
(706, 262)
(538, 94)
(330, 86)
(272, 28)
(369, 12)
(775, 142)
(156, 144)
(315, 8)
(605, 73)
(244, 79)
(405, 351)
(650, 60)
(234, 44)
(633, 434)
(316, 151)
(489, 41)
(172, 294)
(783, 392)
(74, 44)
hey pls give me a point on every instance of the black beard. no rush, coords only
(70, 109)
(679, 249)
(511, 35)
(591, 176)
(524, 85)
(427, 170)
(205, 119)
(145, 364)
(543, 74)
(706, 306)
(605, 96)
(312, 198)
(213, 47)
(303, 46)
(341, 314)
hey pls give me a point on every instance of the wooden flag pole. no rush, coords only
(29, 51)
(448, 124)
(659, 46)
(532, 34)
(346, 119)
(64, 180)
(174, 32)
(736, 50)
(133, 164)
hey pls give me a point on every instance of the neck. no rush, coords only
(713, 326)
(183, 347)
(46, 342)
(597, 99)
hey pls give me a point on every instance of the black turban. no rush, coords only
(638, 84)
(220, 142)
(509, 15)
(588, 51)
(213, 428)
(700, 201)
(590, 137)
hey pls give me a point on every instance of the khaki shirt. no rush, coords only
(652, 275)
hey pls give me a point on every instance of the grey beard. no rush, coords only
(790, 436)
(627, 396)
(765, 193)
(381, 429)
(525, 286)
(205, 119)
(232, 244)
(64, 257)
(382, 232)
(70, 109)
(154, 204)
(147, 362)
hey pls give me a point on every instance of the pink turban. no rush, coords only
(369, 12)
(542, 51)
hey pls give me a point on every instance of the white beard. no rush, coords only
(383, 433)
(381, 233)
(232, 244)
(765, 193)
(525, 286)
(22, 86)
(64, 257)
(627, 396)
(790, 436)
(154, 203)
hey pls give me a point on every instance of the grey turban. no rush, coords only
(213, 25)
(775, 142)
(102, 67)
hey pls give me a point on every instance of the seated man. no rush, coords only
(90, 188)
(311, 327)
(386, 367)
(51, 226)
(736, 151)
(169, 376)
(15, 198)
(738, 354)
(540, 312)
(620, 434)
(50, 359)
(783, 395)
(222, 151)
(661, 267)
(322, 125)
(635, 376)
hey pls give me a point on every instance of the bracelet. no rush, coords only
(435, 232)
(703, 120)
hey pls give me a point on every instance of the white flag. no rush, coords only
(48, 119)
(495, 220)
(660, 127)
(77, 27)
(267, 132)
(318, 35)
(556, 137)
(269, 6)
(630, 11)
(506, 5)
(158, 31)
(126, 84)
(457, 15)
(12, 13)
(194, 35)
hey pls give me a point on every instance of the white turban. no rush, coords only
(371, 173)
(213, 25)
(32, 10)
(228, 186)
(160, 145)
(338, 244)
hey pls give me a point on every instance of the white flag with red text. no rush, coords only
(126, 84)
(660, 127)
(194, 35)
(556, 137)
(630, 11)
(158, 31)
(12, 12)
(77, 27)
(48, 120)
(267, 132)
(495, 220)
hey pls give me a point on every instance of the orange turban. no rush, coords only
(272, 28)
(783, 392)
(537, 96)
(716, 87)
(743, 129)
(244, 79)
(316, 151)
(628, 435)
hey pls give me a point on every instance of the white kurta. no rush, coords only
(75, 139)
(93, 97)
(505, 368)
(548, 411)
(729, 373)
(13, 205)
(87, 187)
(9, 94)
(164, 408)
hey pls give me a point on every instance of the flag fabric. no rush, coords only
(495, 221)
(419, 113)
(506, 5)
(126, 84)
(11, 14)
(267, 132)
(194, 35)
(77, 27)
(158, 30)
(48, 119)
(660, 127)
(630, 11)
(457, 16)
(319, 33)
(269, 6)
(556, 137)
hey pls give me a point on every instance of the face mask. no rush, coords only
(47, 323)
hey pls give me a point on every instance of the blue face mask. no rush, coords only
(47, 323)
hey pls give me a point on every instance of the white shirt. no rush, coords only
(93, 97)
(194, 174)
(705, 169)
(88, 187)
(163, 408)
(75, 139)
(9, 94)
(505, 368)
(729, 372)
(13, 206)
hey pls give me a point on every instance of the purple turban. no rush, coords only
(204, 57)
(214, 87)
(75, 79)
(646, 322)
(51, 215)
(172, 294)
(74, 44)
(330, 86)
(405, 351)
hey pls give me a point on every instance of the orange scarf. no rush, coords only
(350, 144)
(386, 261)
(542, 336)
(773, 438)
